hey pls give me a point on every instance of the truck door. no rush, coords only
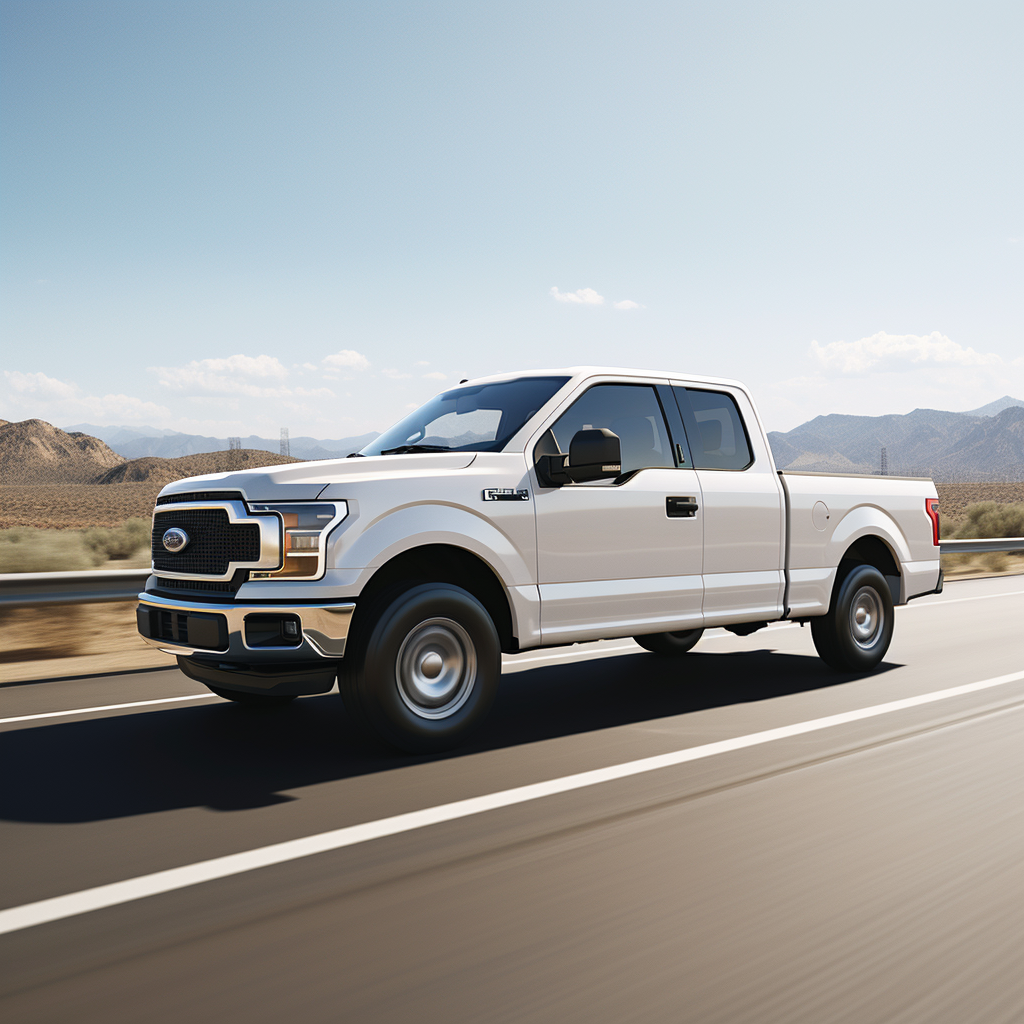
(617, 557)
(744, 527)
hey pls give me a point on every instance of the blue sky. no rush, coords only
(229, 217)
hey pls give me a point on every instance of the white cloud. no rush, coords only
(434, 376)
(348, 359)
(896, 353)
(37, 396)
(234, 376)
(626, 304)
(39, 384)
(888, 373)
(395, 375)
(422, 362)
(581, 297)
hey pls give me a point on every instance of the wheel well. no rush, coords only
(872, 551)
(445, 563)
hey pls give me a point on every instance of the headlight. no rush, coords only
(305, 528)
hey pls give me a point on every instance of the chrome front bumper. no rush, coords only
(323, 628)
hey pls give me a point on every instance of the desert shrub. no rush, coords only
(27, 549)
(117, 541)
(992, 519)
(30, 549)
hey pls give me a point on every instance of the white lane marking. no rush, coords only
(106, 707)
(960, 600)
(515, 660)
(58, 907)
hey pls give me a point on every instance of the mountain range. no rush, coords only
(984, 444)
(140, 442)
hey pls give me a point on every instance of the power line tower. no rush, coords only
(286, 445)
(234, 444)
(885, 461)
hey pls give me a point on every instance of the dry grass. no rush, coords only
(75, 506)
(67, 640)
(954, 498)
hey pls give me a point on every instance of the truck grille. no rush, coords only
(213, 541)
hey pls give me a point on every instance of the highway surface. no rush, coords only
(737, 836)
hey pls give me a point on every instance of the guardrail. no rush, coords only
(24, 589)
(976, 547)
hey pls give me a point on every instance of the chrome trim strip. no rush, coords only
(270, 537)
(324, 627)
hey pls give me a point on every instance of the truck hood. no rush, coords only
(305, 481)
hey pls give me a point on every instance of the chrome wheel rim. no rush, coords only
(436, 668)
(866, 616)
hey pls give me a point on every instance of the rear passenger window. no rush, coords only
(714, 428)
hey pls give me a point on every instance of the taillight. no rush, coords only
(931, 506)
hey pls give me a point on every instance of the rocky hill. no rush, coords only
(35, 452)
(926, 442)
(162, 471)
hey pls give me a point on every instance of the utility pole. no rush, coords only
(234, 444)
(286, 445)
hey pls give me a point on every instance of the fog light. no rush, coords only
(291, 629)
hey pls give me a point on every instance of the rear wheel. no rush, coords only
(855, 633)
(252, 700)
(424, 667)
(670, 644)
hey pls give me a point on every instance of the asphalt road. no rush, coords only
(865, 869)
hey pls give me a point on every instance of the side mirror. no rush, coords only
(594, 455)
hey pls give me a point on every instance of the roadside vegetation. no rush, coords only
(31, 549)
(984, 519)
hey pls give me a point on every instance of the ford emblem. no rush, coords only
(175, 539)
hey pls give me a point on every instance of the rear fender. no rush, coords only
(867, 521)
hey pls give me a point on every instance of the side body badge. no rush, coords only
(506, 494)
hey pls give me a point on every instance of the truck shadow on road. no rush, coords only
(226, 757)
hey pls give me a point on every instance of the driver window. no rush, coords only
(629, 410)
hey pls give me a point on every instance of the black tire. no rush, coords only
(423, 668)
(670, 645)
(252, 700)
(856, 632)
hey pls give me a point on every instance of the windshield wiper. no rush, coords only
(406, 449)
(355, 455)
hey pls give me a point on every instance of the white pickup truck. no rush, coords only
(521, 511)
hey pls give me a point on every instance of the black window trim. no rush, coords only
(676, 430)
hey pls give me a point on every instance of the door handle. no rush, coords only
(681, 508)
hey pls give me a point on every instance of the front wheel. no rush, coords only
(670, 645)
(855, 633)
(425, 666)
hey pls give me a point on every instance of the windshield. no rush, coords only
(480, 418)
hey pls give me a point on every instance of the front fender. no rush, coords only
(512, 558)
